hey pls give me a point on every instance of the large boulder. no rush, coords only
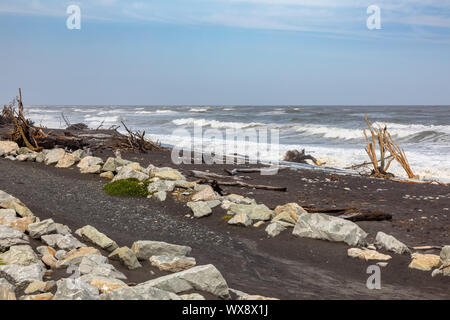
(288, 212)
(66, 161)
(8, 146)
(96, 237)
(10, 236)
(127, 173)
(139, 293)
(90, 165)
(322, 226)
(204, 278)
(75, 289)
(161, 185)
(253, 211)
(53, 156)
(390, 243)
(19, 273)
(112, 164)
(145, 249)
(20, 255)
(9, 202)
(275, 229)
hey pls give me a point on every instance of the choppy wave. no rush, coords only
(200, 110)
(215, 124)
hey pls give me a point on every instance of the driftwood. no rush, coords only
(300, 157)
(209, 175)
(240, 184)
(235, 171)
(352, 214)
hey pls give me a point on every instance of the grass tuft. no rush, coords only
(131, 187)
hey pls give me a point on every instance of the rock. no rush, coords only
(6, 290)
(41, 296)
(18, 273)
(240, 219)
(10, 236)
(275, 229)
(96, 237)
(39, 286)
(168, 174)
(75, 256)
(103, 284)
(53, 156)
(43, 250)
(40, 157)
(67, 242)
(97, 265)
(192, 296)
(79, 154)
(8, 146)
(253, 211)
(127, 257)
(203, 278)
(26, 157)
(161, 185)
(108, 175)
(20, 255)
(8, 213)
(60, 254)
(127, 173)
(62, 229)
(160, 195)
(200, 209)
(172, 263)
(139, 293)
(75, 289)
(39, 229)
(207, 193)
(184, 184)
(23, 150)
(90, 165)
(445, 255)
(322, 226)
(258, 224)
(424, 262)
(289, 212)
(236, 198)
(389, 243)
(19, 223)
(213, 203)
(144, 249)
(382, 264)
(66, 161)
(112, 164)
(367, 254)
(49, 260)
(9, 202)
(133, 166)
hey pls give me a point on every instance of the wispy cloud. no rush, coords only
(343, 17)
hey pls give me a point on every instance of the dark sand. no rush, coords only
(285, 267)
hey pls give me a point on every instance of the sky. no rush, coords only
(226, 52)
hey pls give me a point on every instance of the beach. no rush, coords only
(284, 267)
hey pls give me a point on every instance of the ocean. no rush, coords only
(332, 134)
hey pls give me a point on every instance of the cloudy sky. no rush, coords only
(230, 52)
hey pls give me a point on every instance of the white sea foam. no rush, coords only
(200, 110)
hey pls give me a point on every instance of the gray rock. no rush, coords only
(10, 236)
(12, 158)
(127, 257)
(75, 289)
(26, 157)
(93, 235)
(445, 254)
(240, 219)
(79, 154)
(38, 229)
(62, 229)
(7, 214)
(20, 255)
(40, 157)
(145, 249)
(2, 152)
(9, 202)
(98, 265)
(161, 185)
(90, 165)
(275, 229)
(112, 164)
(390, 243)
(160, 195)
(67, 242)
(172, 263)
(127, 173)
(322, 226)
(60, 254)
(139, 293)
(200, 208)
(204, 278)
(18, 273)
(192, 296)
(213, 203)
(53, 156)
(253, 211)
(7, 290)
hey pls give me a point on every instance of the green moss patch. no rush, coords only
(227, 217)
(127, 188)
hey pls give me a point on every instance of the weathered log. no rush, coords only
(241, 184)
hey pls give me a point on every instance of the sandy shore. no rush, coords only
(285, 267)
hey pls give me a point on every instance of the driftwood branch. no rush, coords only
(241, 184)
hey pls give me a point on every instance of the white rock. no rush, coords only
(200, 208)
(18, 273)
(241, 219)
(127, 173)
(93, 235)
(75, 289)
(10, 236)
(390, 243)
(20, 255)
(139, 293)
(9, 202)
(39, 229)
(144, 249)
(275, 229)
(53, 156)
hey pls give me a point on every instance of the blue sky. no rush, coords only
(226, 52)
